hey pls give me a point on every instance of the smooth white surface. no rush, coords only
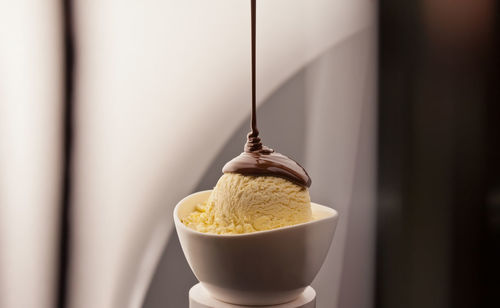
(259, 268)
(160, 87)
(30, 152)
(200, 298)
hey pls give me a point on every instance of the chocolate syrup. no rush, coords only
(259, 160)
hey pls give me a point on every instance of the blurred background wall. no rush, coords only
(31, 151)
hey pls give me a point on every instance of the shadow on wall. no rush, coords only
(281, 121)
(343, 78)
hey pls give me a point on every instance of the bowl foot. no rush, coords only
(200, 298)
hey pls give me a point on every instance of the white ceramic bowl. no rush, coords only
(260, 268)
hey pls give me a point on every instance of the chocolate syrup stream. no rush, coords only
(255, 131)
(253, 141)
(259, 160)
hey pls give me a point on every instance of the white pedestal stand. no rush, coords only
(200, 298)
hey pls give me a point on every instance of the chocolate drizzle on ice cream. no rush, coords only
(271, 164)
(257, 159)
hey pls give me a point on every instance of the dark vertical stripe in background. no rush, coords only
(67, 138)
(438, 221)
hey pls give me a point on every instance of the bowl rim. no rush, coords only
(180, 225)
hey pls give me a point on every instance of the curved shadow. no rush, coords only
(283, 122)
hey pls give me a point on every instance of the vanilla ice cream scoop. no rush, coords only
(259, 190)
(244, 204)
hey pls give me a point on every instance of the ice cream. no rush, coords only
(242, 204)
(259, 190)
